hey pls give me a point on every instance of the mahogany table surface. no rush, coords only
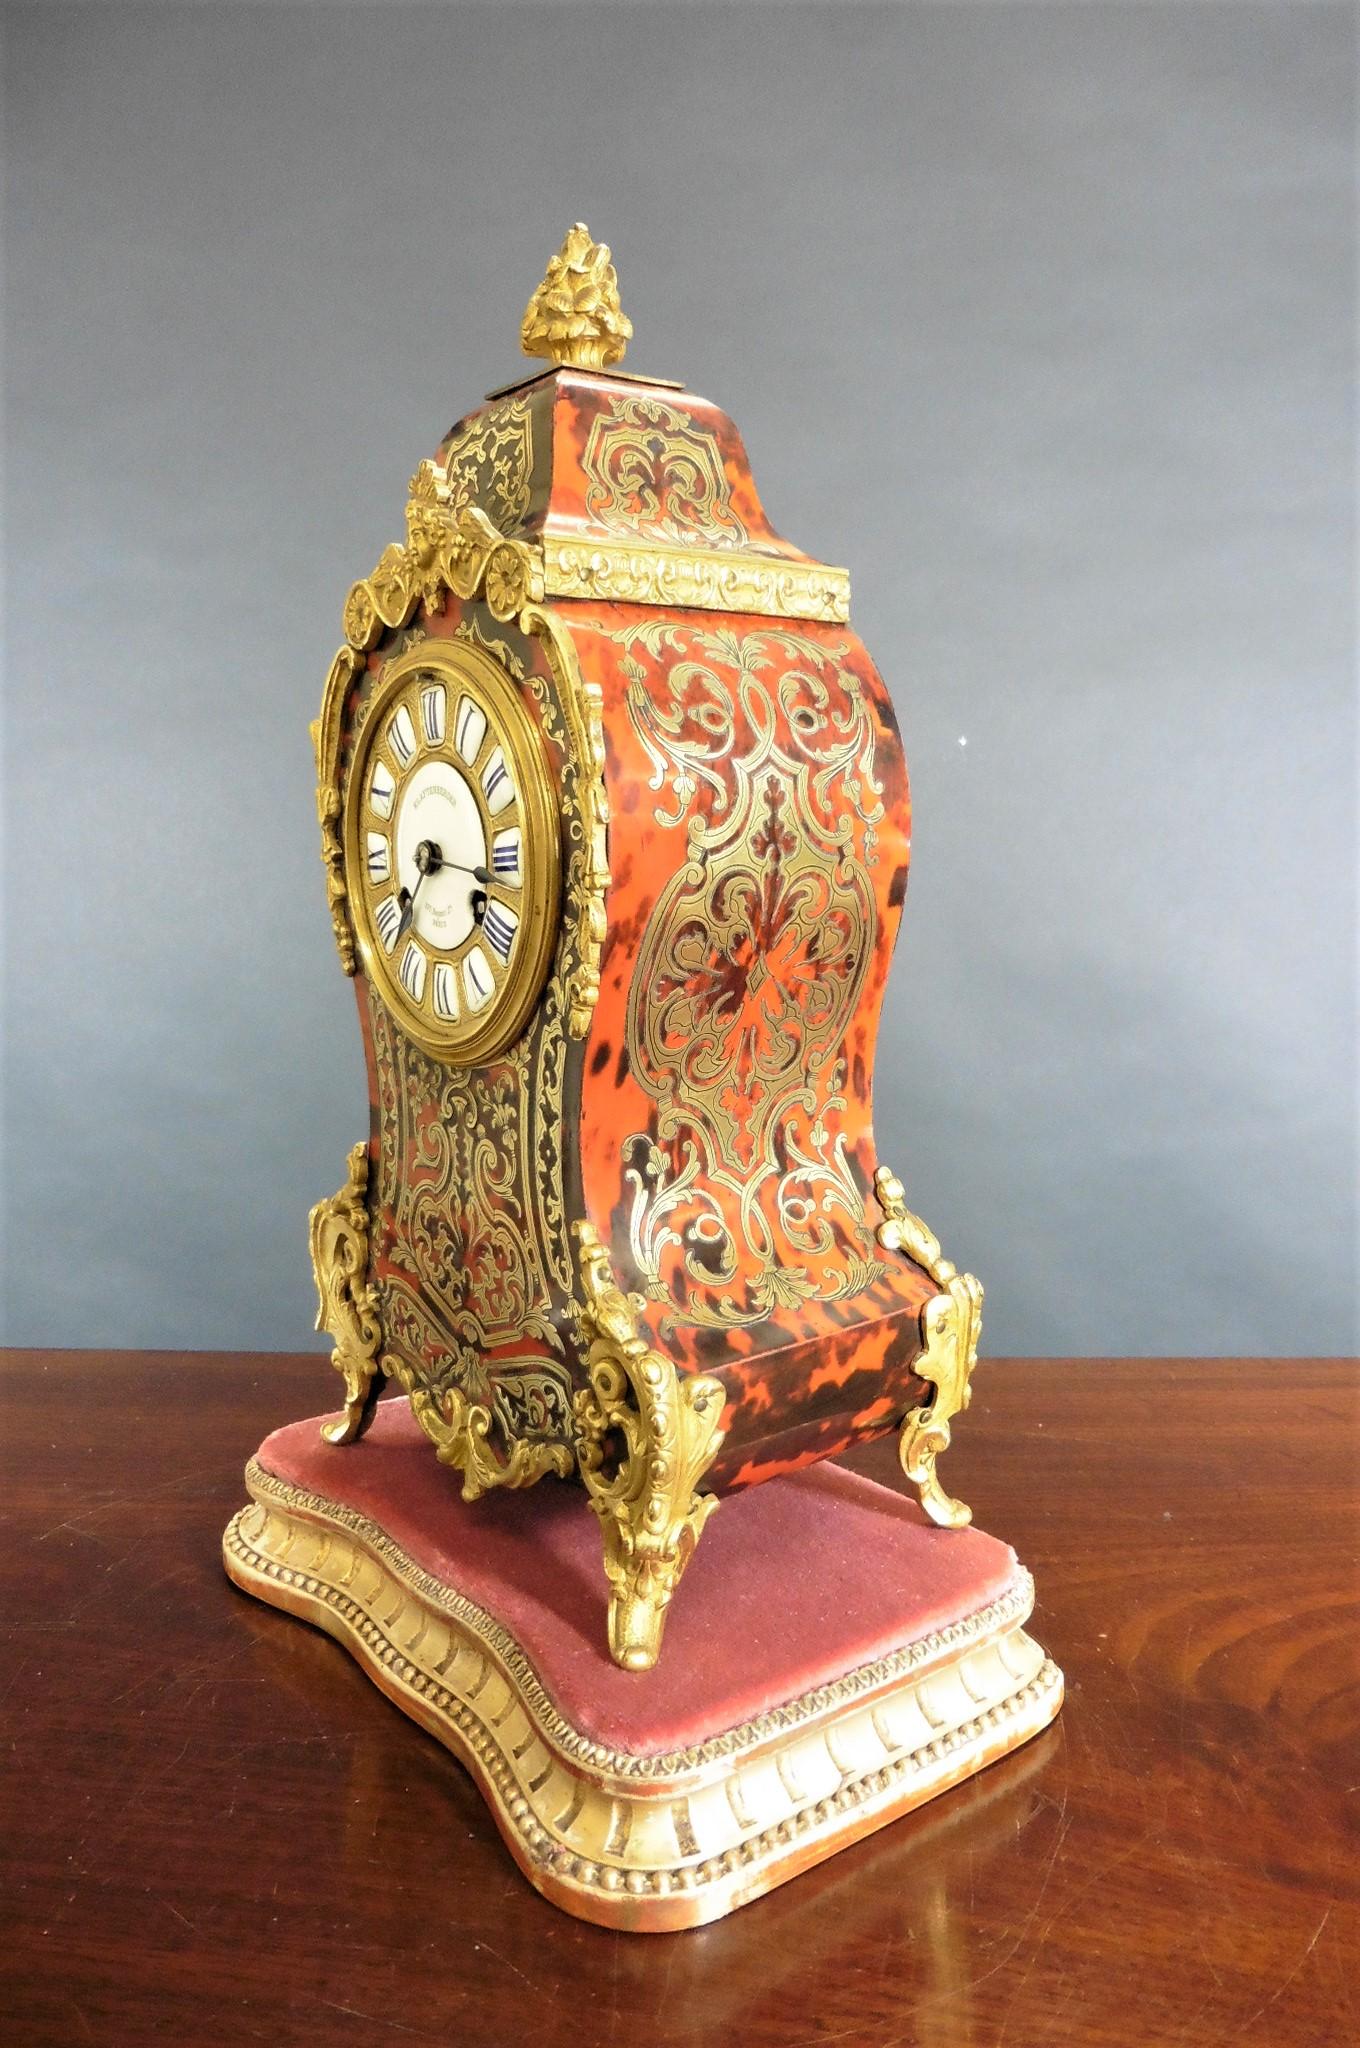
(215, 1830)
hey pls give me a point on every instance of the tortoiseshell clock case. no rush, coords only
(648, 1243)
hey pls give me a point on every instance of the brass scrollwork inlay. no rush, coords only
(646, 1434)
(652, 473)
(472, 1215)
(488, 462)
(749, 972)
(951, 1324)
(587, 812)
(347, 1307)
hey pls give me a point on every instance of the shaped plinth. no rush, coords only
(843, 1663)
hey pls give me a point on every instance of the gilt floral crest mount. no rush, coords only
(615, 827)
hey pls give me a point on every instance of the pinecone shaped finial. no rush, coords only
(575, 316)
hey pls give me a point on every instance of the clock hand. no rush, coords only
(428, 858)
(407, 900)
(429, 861)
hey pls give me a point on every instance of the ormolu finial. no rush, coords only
(575, 316)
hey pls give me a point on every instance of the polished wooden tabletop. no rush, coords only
(215, 1830)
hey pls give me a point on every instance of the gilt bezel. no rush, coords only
(477, 1036)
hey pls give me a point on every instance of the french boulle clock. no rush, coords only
(616, 831)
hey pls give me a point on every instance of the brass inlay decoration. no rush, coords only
(646, 1434)
(652, 473)
(471, 1194)
(744, 1201)
(698, 579)
(347, 1307)
(488, 462)
(575, 317)
(585, 805)
(473, 1257)
(951, 1324)
(618, 1836)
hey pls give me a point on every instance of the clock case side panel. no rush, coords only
(759, 843)
(471, 1188)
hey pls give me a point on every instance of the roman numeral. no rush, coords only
(387, 917)
(478, 979)
(412, 971)
(445, 992)
(401, 738)
(500, 925)
(381, 789)
(505, 857)
(470, 730)
(433, 703)
(496, 783)
(379, 867)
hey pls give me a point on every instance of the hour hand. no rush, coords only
(428, 860)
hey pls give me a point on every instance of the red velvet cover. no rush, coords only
(795, 1583)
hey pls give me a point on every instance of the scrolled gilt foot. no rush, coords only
(346, 1305)
(645, 1436)
(357, 1413)
(951, 1326)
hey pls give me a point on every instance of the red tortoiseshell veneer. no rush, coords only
(717, 1119)
(759, 846)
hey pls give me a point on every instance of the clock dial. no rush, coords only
(452, 841)
(436, 808)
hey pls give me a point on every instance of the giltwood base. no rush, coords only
(650, 1843)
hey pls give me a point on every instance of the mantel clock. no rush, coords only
(615, 826)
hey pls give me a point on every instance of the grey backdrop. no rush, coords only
(1039, 317)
